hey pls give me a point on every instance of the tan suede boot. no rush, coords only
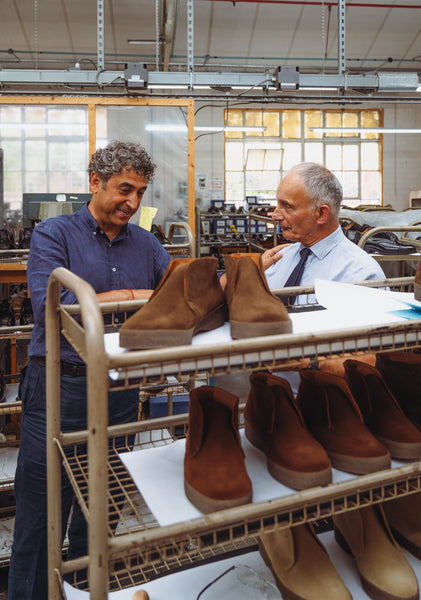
(274, 424)
(381, 412)
(188, 299)
(215, 475)
(402, 373)
(253, 309)
(384, 570)
(301, 566)
(417, 282)
(404, 518)
(332, 416)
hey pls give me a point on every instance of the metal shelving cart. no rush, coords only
(130, 548)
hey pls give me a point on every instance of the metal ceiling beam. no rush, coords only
(168, 30)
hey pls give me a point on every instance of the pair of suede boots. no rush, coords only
(355, 428)
(303, 569)
(189, 299)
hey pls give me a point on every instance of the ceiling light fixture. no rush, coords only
(365, 129)
(138, 42)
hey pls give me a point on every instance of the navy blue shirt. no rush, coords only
(134, 259)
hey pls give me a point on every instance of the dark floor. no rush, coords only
(3, 583)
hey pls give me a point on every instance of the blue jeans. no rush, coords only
(28, 575)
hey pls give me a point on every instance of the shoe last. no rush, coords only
(188, 299)
(381, 412)
(333, 417)
(402, 373)
(383, 568)
(274, 424)
(301, 565)
(215, 475)
(253, 309)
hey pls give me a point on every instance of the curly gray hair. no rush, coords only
(115, 157)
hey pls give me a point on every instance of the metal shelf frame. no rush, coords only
(139, 550)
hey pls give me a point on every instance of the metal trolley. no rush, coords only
(126, 545)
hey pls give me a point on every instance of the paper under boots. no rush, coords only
(384, 570)
(381, 412)
(215, 475)
(253, 309)
(188, 299)
(301, 566)
(274, 424)
(332, 416)
(402, 373)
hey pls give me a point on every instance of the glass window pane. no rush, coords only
(58, 182)
(10, 114)
(370, 186)
(370, 118)
(101, 122)
(234, 117)
(272, 122)
(255, 180)
(35, 156)
(349, 119)
(313, 152)
(78, 182)
(234, 186)
(350, 157)
(349, 180)
(77, 156)
(292, 155)
(254, 118)
(234, 160)
(291, 124)
(35, 181)
(57, 156)
(370, 159)
(312, 118)
(13, 182)
(333, 119)
(35, 114)
(334, 157)
(12, 156)
(254, 159)
(273, 159)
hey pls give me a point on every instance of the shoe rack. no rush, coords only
(140, 549)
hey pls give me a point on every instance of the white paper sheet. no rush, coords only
(186, 585)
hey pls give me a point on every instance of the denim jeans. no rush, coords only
(28, 575)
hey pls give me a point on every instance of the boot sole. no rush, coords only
(370, 589)
(137, 339)
(405, 450)
(359, 465)
(208, 505)
(297, 480)
(240, 330)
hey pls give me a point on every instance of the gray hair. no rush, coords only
(115, 157)
(321, 185)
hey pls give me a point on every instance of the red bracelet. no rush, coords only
(131, 291)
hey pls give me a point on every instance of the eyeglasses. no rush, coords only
(248, 576)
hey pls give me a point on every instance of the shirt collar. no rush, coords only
(324, 246)
(89, 222)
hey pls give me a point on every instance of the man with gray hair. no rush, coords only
(308, 202)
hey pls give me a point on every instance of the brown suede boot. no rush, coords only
(253, 309)
(188, 299)
(274, 424)
(402, 373)
(417, 282)
(301, 566)
(404, 518)
(215, 475)
(384, 570)
(381, 412)
(332, 416)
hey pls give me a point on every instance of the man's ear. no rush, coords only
(95, 182)
(322, 214)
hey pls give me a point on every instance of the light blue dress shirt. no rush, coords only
(335, 258)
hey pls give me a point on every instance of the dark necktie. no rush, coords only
(295, 278)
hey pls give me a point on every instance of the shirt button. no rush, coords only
(94, 232)
(114, 269)
(116, 320)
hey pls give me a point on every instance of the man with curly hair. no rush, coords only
(121, 261)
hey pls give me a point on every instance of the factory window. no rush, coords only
(256, 159)
(45, 149)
